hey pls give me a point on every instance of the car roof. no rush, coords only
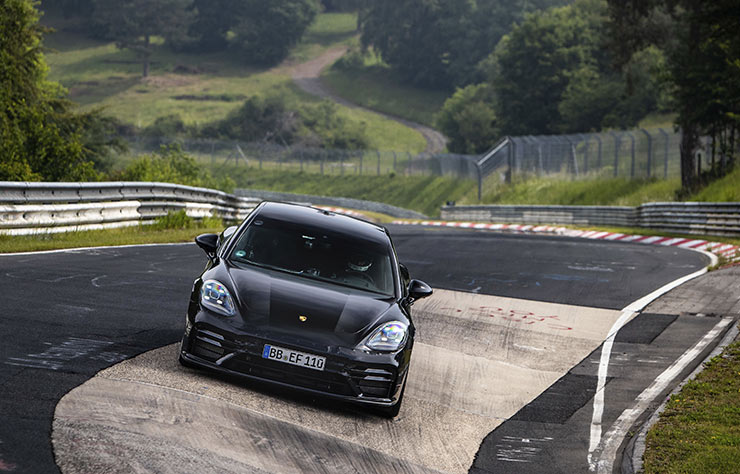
(313, 217)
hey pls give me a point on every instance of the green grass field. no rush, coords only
(376, 87)
(605, 191)
(329, 30)
(699, 431)
(97, 74)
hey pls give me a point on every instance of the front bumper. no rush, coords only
(349, 375)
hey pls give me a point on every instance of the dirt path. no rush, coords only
(307, 77)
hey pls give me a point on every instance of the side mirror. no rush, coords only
(418, 290)
(209, 244)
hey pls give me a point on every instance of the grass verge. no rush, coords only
(699, 431)
(424, 194)
(100, 238)
(604, 191)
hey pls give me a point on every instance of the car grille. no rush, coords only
(340, 377)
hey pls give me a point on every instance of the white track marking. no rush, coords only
(627, 314)
(604, 461)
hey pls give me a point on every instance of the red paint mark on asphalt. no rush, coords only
(512, 315)
(6, 466)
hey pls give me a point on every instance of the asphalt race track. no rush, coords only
(502, 380)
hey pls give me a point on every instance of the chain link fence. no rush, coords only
(631, 154)
(267, 156)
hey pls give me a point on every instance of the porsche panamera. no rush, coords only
(308, 299)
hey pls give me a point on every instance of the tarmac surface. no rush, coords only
(505, 354)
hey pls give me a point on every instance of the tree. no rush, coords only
(262, 31)
(703, 61)
(40, 138)
(438, 43)
(265, 30)
(532, 66)
(468, 119)
(134, 23)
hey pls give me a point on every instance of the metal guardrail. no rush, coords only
(722, 219)
(28, 208)
(515, 214)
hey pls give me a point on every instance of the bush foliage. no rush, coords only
(172, 165)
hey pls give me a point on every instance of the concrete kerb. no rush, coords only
(730, 252)
(635, 449)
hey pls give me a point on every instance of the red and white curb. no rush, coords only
(728, 251)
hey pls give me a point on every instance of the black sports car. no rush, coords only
(305, 298)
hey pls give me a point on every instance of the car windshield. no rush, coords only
(316, 253)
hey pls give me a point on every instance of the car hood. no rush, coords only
(292, 304)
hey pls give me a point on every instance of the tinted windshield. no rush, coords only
(316, 253)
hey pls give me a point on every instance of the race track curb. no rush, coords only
(730, 252)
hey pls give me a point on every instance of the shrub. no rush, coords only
(172, 165)
(174, 220)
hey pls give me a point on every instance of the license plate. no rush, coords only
(293, 357)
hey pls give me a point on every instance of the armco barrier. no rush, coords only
(27, 208)
(721, 219)
(573, 215)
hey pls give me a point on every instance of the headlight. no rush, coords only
(215, 296)
(388, 337)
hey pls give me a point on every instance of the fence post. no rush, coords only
(573, 156)
(394, 161)
(511, 150)
(598, 159)
(665, 162)
(585, 152)
(361, 156)
(632, 148)
(649, 151)
(539, 157)
(617, 144)
(378, 152)
(321, 164)
(480, 179)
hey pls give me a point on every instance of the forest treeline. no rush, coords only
(511, 67)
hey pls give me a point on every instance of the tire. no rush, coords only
(392, 411)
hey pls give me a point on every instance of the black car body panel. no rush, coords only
(299, 312)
